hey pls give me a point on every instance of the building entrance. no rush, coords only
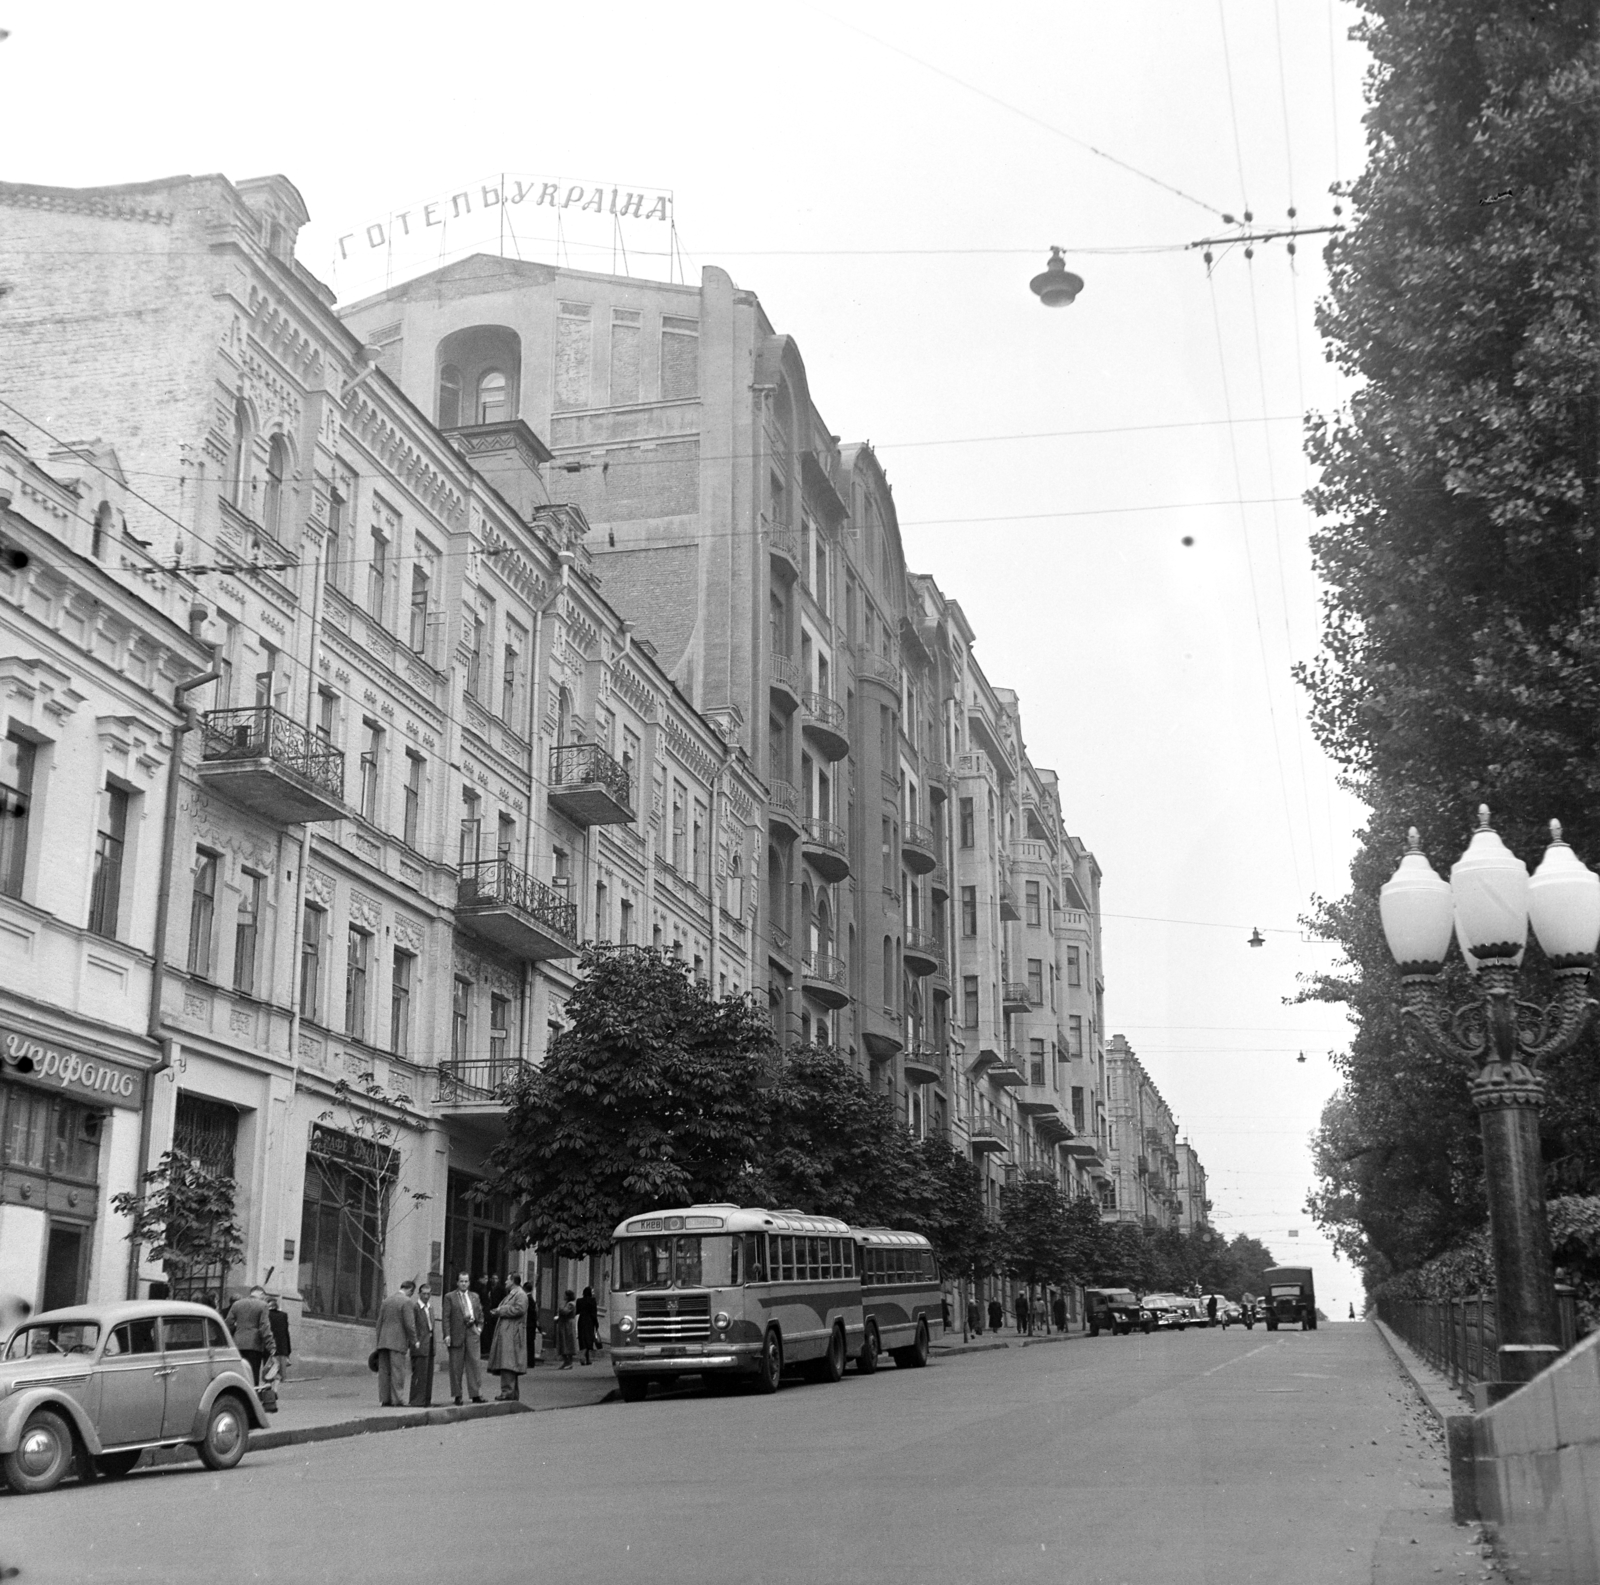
(64, 1265)
(477, 1233)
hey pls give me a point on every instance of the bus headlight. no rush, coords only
(626, 1326)
(720, 1320)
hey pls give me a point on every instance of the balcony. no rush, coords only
(784, 545)
(507, 906)
(823, 846)
(783, 681)
(1016, 997)
(879, 668)
(1007, 1071)
(480, 1082)
(824, 978)
(936, 777)
(1085, 1148)
(940, 883)
(822, 720)
(987, 1140)
(924, 1065)
(783, 810)
(918, 847)
(588, 786)
(266, 762)
(924, 952)
(1049, 1121)
(1008, 903)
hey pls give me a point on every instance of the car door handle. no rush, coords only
(169, 1370)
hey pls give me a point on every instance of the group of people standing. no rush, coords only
(1030, 1317)
(482, 1325)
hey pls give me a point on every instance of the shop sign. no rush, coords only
(83, 1078)
(366, 1154)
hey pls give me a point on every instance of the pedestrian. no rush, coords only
(278, 1319)
(463, 1326)
(1211, 1308)
(567, 1330)
(997, 1315)
(1352, 1310)
(1060, 1307)
(509, 1355)
(588, 1324)
(252, 1331)
(1022, 1312)
(397, 1336)
(974, 1317)
(944, 1308)
(422, 1355)
(493, 1292)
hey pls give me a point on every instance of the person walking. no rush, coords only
(974, 1317)
(588, 1324)
(278, 1319)
(1060, 1307)
(567, 1330)
(463, 1327)
(252, 1331)
(997, 1315)
(509, 1353)
(1211, 1309)
(422, 1355)
(397, 1335)
(1022, 1312)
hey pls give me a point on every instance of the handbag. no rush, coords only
(372, 1361)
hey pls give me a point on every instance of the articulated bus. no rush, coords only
(731, 1293)
(725, 1293)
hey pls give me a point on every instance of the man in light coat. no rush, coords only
(463, 1328)
(397, 1336)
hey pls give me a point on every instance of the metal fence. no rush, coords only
(1458, 1337)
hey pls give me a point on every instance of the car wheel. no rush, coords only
(830, 1367)
(871, 1347)
(113, 1466)
(44, 1453)
(771, 1376)
(921, 1348)
(227, 1434)
(633, 1388)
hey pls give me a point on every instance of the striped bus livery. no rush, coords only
(900, 1292)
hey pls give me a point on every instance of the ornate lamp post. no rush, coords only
(1489, 903)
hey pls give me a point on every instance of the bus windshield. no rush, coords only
(675, 1260)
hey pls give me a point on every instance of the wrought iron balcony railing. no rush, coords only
(786, 674)
(822, 711)
(498, 883)
(262, 732)
(575, 765)
(825, 834)
(480, 1079)
(826, 969)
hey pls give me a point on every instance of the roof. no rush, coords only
(887, 1235)
(119, 1311)
(727, 1218)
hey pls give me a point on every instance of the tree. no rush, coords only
(1460, 498)
(953, 1216)
(184, 1215)
(832, 1145)
(1034, 1228)
(648, 1097)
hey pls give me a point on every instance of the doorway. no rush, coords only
(64, 1261)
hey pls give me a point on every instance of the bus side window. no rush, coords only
(849, 1257)
(734, 1275)
(836, 1246)
(755, 1257)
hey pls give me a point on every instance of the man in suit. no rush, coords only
(397, 1336)
(422, 1359)
(463, 1327)
(252, 1331)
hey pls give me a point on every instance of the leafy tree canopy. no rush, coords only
(184, 1215)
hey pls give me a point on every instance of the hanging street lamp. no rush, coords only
(1488, 905)
(1056, 286)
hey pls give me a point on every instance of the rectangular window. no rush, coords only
(327, 715)
(1031, 902)
(479, 637)
(460, 1006)
(1075, 1036)
(377, 572)
(341, 1275)
(202, 912)
(625, 921)
(105, 894)
(400, 1003)
(1074, 966)
(499, 1035)
(680, 836)
(1036, 1062)
(417, 632)
(266, 676)
(310, 960)
(966, 823)
(511, 671)
(357, 950)
(371, 748)
(969, 1001)
(247, 932)
(697, 854)
(1036, 981)
(680, 358)
(415, 770)
(506, 836)
(471, 826)
(338, 541)
(1077, 1107)
(626, 335)
(16, 803)
(969, 910)
(572, 356)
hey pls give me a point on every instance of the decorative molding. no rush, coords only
(319, 888)
(365, 911)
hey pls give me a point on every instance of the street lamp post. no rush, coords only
(1489, 903)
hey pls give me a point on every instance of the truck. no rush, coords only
(1290, 1297)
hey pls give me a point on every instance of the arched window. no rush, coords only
(824, 924)
(272, 502)
(449, 396)
(564, 717)
(234, 482)
(494, 401)
(888, 973)
(808, 922)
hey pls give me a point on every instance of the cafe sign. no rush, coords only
(82, 1077)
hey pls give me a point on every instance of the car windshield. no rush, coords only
(52, 1338)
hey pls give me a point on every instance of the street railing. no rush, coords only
(1458, 1337)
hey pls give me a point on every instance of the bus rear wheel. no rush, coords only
(770, 1376)
(915, 1357)
(633, 1388)
(867, 1359)
(831, 1366)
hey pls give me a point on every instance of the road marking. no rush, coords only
(1234, 1361)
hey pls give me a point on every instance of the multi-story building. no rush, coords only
(432, 761)
(923, 907)
(1194, 1208)
(1143, 1140)
(95, 641)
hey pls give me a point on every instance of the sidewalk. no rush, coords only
(981, 1342)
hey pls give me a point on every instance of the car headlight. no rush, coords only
(626, 1326)
(720, 1320)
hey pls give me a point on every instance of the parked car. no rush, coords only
(1115, 1310)
(1174, 1312)
(95, 1385)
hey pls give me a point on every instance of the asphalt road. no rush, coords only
(1197, 1457)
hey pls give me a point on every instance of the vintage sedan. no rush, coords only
(95, 1385)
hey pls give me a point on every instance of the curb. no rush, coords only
(940, 1351)
(1454, 1421)
(1442, 1411)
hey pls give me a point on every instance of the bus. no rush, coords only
(901, 1297)
(730, 1294)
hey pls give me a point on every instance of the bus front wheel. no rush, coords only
(867, 1359)
(831, 1366)
(770, 1377)
(633, 1388)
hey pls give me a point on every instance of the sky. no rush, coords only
(1111, 490)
